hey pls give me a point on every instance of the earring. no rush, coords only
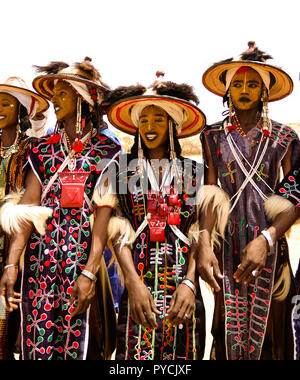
(79, 121)
(172, 152)
(140, 168)
(265, 113)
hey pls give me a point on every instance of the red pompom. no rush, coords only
(231, 127)
(77, 146)
(54, 139)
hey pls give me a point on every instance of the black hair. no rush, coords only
(24, 119)
(135, 148)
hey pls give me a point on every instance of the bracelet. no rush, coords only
(190, 284)
(266, 234)
(10, 266)
(89, 275)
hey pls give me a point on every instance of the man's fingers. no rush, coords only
(172, 303)
(207, 276)
(153, 307)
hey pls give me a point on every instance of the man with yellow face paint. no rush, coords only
(66, 306)
(19, 107)
(243, 155)
(161, 314)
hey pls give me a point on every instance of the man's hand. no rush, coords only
(142, 304)
(254, 259)
(206, 261)
(83, 292)
(7, 284)
(181, 306)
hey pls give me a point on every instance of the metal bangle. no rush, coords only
(89, 275)
(266, 234)
(190, 284)
(10, 266)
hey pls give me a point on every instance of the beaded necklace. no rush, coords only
(10, 150)
(82, 146)
(243, 133)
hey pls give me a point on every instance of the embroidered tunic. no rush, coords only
(12, 176)
(289, 189)
(247, 308)
(53, 262)
(161, 266)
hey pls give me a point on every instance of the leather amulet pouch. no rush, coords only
(72, 191)
(157, 229)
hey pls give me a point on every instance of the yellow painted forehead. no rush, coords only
(151, 110)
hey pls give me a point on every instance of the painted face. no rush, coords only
(246, 89)
(64, 101)
(9, 109)
(154, 127)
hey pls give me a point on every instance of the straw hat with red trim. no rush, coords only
(78, 75)
(281, 84)
(167, 95)
(33, 102)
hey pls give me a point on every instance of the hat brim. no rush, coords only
(43, 104)
(119, 115)
(282, 87)
(44, 84)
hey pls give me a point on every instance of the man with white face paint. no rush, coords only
(243, 155)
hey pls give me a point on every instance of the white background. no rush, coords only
(129, 40)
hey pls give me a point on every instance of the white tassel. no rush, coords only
(13, 216)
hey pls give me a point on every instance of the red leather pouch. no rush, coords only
(72, 192)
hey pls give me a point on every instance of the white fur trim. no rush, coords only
(216, 198)
(13, 216)
(120, 228)
(275, 205)
(110, 200)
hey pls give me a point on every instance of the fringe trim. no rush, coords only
(121, 228)
(110, 200)
(13, 216)
(194, 233)
(213, 196)
(283, 284)
(276, 204)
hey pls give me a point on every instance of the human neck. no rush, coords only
(70, 128)
(159, 153)
(8, 136)
(248, 119)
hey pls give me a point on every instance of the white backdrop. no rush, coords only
(129, 40)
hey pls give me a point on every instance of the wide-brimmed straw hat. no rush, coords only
(81, 73)
(121, 102)
(33, 102)
(281, 83)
